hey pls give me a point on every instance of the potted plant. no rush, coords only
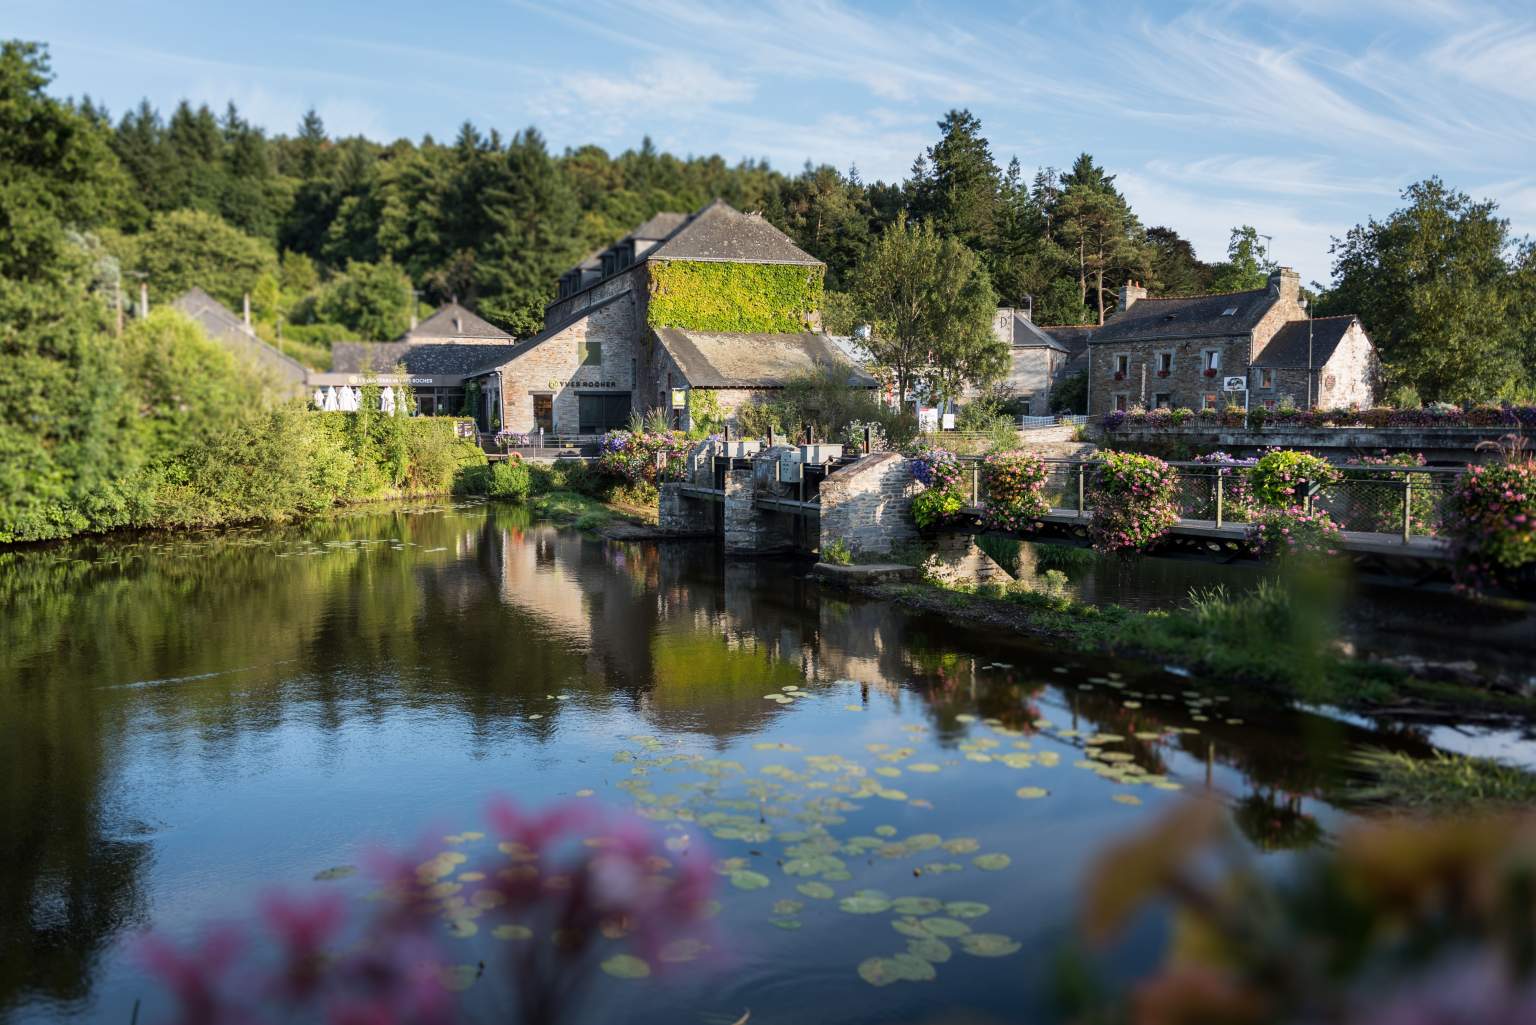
(1210, 371)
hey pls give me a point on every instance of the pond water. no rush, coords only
(186, 723)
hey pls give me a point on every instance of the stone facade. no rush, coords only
(1142, 382)
(867, 504)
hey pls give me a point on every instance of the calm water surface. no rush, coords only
(187, 723)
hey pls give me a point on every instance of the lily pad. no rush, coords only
(865, 902)
(512, 932)
(916, 905)
(785, 923)
(989, 944)
(746, 879)
(944, 928)
(966, 909)
(991, 862)
(338, 872)
(882, 971)
(922, 767)
(885, 830)
(930, 949)
(962, 845)
(627, 966)
(817, 891)
(1031, 793)
(1126, 798)
(787, 907)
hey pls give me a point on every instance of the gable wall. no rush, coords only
(553, 367)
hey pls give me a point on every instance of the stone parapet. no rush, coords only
(867, 505)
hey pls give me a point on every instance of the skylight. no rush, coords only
(1230, 311)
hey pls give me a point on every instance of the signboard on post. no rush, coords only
(679, 398)
(1234, 384)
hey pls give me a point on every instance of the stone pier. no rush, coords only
(866, 505)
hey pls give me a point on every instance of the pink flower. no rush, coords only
(197, 978)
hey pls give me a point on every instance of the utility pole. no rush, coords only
(1308, 307)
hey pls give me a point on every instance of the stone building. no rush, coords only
(717, 303)
(1039, 356)
(1178, 351)
(282, 374)
(454, 322)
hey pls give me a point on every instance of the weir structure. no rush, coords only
(764, 500)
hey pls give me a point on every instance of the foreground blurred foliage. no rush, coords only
(1402, 921)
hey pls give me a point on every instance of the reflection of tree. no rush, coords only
(1273, 820)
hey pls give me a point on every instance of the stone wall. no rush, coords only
(1349, 376)
(682, 515)
(1186, 383)
(956, 559)
(750, 530)
(867, 504)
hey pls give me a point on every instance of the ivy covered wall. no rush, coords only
(734, 297)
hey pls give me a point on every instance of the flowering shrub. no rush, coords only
(1133, 501)
(1438, 415)
(1377, 499)
(1236, 490)
(1295, 532)
(937, 468)
(643, 456)
(1281, 477)
(853, 435)
(1014, 481)
(1492, 523)
(513, 439)
(935, 507)
(563, 885)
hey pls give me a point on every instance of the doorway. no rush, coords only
(544, 413)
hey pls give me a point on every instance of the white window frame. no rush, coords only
(1211, 358)
(1123, 358)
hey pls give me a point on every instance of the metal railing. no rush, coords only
(1402, 501)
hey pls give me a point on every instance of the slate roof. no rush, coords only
(500, 355)
(659, 226)
(710, 360)
(221, 324)
(1195, 316)
(1288, 348)
(1071, 337)
(361, 357)
(721, 233)
(431, 359)
(442, 325)
(1026, 334)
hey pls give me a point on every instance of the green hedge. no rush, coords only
(734, 297)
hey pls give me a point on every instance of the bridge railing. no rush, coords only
(1406, 502)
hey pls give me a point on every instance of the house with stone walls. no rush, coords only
(711, 309)
(1177, 351)
(1038, 356)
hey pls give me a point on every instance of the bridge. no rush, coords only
(784, 498)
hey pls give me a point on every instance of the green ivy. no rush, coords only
(734, 297)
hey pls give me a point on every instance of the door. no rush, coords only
(599, 412)
(544, 413)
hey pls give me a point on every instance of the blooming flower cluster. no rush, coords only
(940, 501)
(1429, 416)
(1133, 501)
(1013, 498)
(1492, 524)
(936, 468)
(565, 883)
(1295, 533)
(1283, 477)
(1236, 490)
(513, 439)
(643, 456)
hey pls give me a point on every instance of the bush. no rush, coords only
(936, 469)
(1282, 478)
(1070, 394)
(934, 508)
(1236, 489)
(1133, 502)
(509, 481)
(837, 553)
(1492, 524)
(650, 456)
(1295, 533)
(1013, 497)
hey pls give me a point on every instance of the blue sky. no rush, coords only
(1301, 117)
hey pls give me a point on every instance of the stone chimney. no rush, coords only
(1129, 293)
(1285, 283)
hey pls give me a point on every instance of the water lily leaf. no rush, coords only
(906, 967)
(930, 949)
(338, 872)
(885, 830)
(922, 767)
(887, 770)
(746, 879)
(962, 845)
(1126, 798)
(627, 966)
(461, 928)
(1031, 793)
(916, 905)
(909, 926)
(787, 907)
(989, 944)
(686, 949)
(512, 932)
(966, 909)
(865, 902)
(944, 928)
(817, 891)
(991, 862)
(585, 792)
(785, 923)
(965, 717)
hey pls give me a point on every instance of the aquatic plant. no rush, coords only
(1014, 485)
(1132, 496)
(563, 882)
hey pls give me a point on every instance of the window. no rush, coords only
(1122, 401)
(1212, 400)
(1164, 362)
(1026, 408)
(1269, 403)
(590, 353)
(1266, 378)
(1230, 311)
(1212, 359)
(1162, 400)
(1122, 363)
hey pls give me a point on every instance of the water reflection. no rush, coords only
(180, 713)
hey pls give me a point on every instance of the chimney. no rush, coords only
(1285, 283)
(1029, 308)
(1129, 293)
(247, 311)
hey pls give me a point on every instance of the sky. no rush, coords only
(1300, 117)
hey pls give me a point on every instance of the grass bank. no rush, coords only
(1275, 638)
(568, 491)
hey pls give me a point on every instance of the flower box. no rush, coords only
(1210, 371)
(1162, 373)
(1119, 375)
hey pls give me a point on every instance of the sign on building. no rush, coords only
(679, 398)
(1234, 383)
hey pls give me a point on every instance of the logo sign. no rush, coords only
(679, 398)
(1234, 384)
